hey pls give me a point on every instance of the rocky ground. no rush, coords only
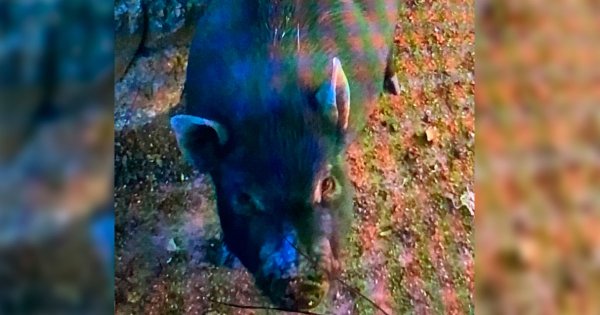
(411, 246)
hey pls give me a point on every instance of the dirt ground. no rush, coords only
(411, 245)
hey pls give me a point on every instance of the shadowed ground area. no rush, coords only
(411, 245)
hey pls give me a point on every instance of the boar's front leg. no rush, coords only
(390, 81)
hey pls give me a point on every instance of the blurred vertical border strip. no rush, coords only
(537, 157)
(56, 156)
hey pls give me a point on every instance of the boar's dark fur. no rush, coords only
(274, 91)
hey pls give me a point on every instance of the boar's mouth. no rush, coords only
(298, 293)
(307, 285)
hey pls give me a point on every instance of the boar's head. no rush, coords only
(283, 198)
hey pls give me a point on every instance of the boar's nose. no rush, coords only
(304, 294)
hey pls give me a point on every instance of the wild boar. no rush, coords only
(275, 91)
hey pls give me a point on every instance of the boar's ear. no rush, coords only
(334, 95)
(199, 139)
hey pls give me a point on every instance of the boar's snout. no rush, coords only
(301, 292)
(304, 293)
(302, 282)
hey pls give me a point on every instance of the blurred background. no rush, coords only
(537, 166)
(56, 157)
(537, 157)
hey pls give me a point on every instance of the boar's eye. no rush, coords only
(246, 204)
(244, 199)
(328, 187)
